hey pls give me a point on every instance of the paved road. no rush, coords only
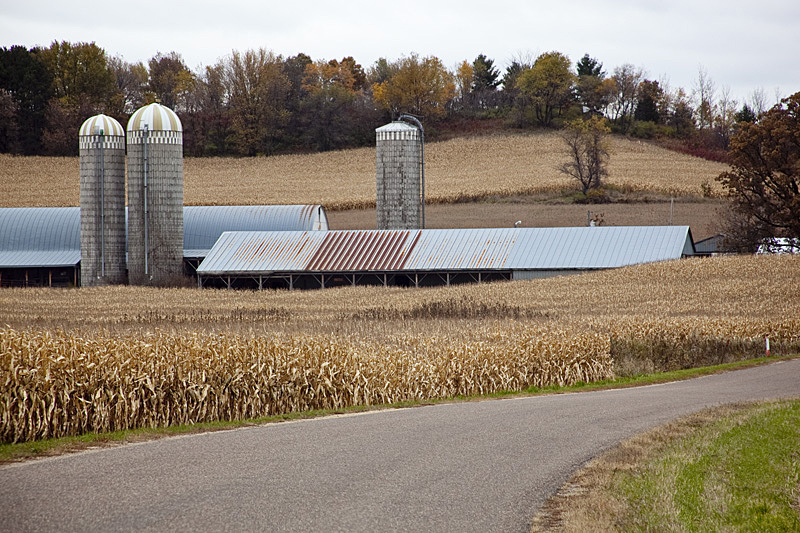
(476, 466)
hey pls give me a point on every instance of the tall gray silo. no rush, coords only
(155, 196)
(399, 198)
(101, 142)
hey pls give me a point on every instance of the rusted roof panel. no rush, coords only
(248, 251)
(363, 250)
(469, 249)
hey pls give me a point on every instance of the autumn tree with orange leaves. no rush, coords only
(419, 86)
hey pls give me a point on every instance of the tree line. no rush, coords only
(256, 102)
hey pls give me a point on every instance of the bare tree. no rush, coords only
(131, 80)
(588, 152)
(758, 101)
(623, 102)
(725, 121)
(703, 93)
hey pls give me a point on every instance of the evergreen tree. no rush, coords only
(589, 85)
(485, 76)
(647, 103)
(746, 115)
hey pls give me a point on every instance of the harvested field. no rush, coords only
(459, 169)
(702, 216)
(102, 358)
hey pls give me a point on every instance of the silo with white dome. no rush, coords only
(155, 196)
(101, 143)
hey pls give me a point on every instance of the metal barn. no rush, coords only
(298, 259)
(41, 246)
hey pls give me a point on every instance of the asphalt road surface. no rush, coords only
(471, 466)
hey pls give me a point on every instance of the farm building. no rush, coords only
(300, 259)
(711, 246)
(41, 246)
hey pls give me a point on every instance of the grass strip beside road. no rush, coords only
(732, 468)
(49, 447)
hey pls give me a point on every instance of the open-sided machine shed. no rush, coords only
(298, 259)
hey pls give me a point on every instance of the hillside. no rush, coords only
(463, 168)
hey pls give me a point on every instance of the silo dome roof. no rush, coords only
(397, 125)
(156, 117)
(101, 123)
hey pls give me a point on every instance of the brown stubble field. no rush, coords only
(464, 168)
(121, 357)
(112, 358)
(703, 216)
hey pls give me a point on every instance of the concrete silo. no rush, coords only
(400, 182)
(101, 142)
(155, 196)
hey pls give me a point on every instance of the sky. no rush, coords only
(741, 46)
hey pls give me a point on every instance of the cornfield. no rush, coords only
(98, 359)
(62, 384)
(469, 168)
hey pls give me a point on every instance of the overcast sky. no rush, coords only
(744, 46)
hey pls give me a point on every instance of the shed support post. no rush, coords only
(50, 278)
(291, 282)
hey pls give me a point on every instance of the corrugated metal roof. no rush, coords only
(55, 231)
(39, 258)
(599, 247)
(203, 225)
(40, 228)
(578, 248)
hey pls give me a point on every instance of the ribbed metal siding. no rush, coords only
(203, 225)
(251, 250)
(35, 236)
(599, 247)
(363, 251)
(471, 249)
(52, 229)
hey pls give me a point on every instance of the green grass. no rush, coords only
(48, 447)
(740, 473)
